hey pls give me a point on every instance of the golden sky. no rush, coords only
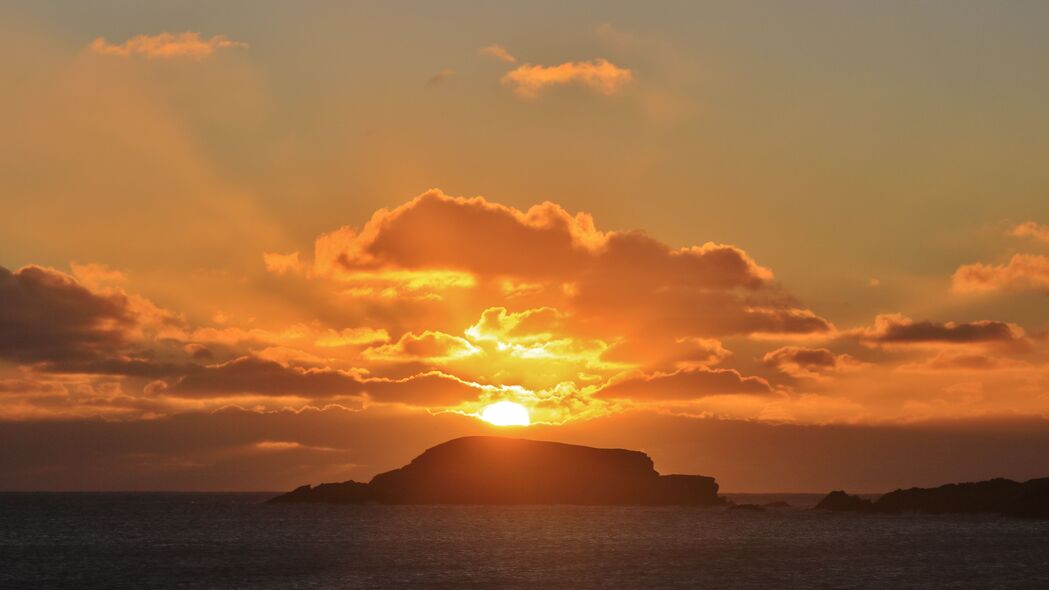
(643, 224)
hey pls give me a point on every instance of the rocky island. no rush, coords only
(497, 470)
(1001, 496)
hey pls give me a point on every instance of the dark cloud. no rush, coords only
(895, 329)
(46, 315)
(809, 362)
(683, 385)
(251, 375)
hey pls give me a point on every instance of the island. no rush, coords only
(996, 496)
(500, 470)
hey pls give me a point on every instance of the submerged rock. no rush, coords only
(496, 470)
(747, 507)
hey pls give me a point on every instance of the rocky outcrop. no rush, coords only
(995, 495)
(347, 492)
(1001, 496)
(839, 501)
(495, 470)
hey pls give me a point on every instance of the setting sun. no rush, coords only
(506, 414)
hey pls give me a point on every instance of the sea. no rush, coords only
(236, 540)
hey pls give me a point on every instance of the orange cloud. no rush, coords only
(433, 347)
(165, 46)
(498, 52)
(619, 283)
(1022, 272)
(351, 337)
(282, 263)
(810, 363)
(1031, 229)
(435, 231)
(965, 361)
(449, 303)
(96, 276)
(598, 75)
(686, 352)
(235, 335)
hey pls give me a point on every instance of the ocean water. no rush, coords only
(163, 540)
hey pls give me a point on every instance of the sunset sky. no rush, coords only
(251, 245)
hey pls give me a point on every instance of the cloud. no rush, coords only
(623, 281)
(96, 276)
(1031, 229)
(700, 352)
(965, 361)
(47, 315)
(599, 75)
(165, 46)
(432, 347)
(282, 263)
(896, 330)
(1022, 272)
(498, 52)
(441, 77)
(235, 335)
(254, 376)
(435, 231)
(523, 327)
(351, 337)
(683, 385)
(685, 352)
(810, 363)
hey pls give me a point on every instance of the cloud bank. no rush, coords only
(599, 75)
(188, 45)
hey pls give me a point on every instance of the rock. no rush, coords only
(347, 492)
(496, 470)
(685, 489)
(747, 507)
(839, 501)
(999, 495)
(985, 496)
(1033, 501)
(995, 496)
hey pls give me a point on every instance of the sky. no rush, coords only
(257, 244)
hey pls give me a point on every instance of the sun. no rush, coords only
(506, 414)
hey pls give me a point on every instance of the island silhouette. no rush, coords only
(500, 470)
(999, 495)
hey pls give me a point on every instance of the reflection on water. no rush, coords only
(233, 540)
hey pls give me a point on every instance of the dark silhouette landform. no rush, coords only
(496, 470)
(1001, 496)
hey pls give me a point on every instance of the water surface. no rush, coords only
(235, 541)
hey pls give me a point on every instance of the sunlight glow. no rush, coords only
(506, 413)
